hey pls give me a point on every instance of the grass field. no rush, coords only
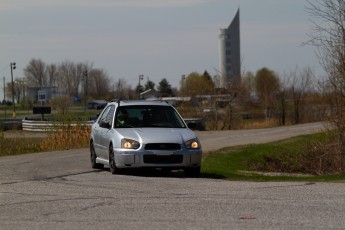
(278, 161)
(243, 162)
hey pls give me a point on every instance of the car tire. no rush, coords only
(112, 164)
(93, 157)
(192, 172)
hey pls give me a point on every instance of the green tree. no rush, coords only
(197, 84)
(208, 80)
(139, 89)
(164, 88)
(149, 85)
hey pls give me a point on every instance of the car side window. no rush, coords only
(110, 115)
(107, 116)
(104, 115)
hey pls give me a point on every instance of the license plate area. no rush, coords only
(163, 159)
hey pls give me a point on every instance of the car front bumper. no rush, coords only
(158, 159)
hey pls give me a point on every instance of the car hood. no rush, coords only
(158, 135)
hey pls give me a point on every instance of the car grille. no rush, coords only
(163, 159)
(162, 146)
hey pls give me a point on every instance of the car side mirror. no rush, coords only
(105, 125)
(191, 126)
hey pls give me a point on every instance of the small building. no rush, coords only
(149, 94)
(42, 94)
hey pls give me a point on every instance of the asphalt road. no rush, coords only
(59, 190)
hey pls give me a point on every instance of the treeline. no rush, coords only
(78, 80)
(289, 98)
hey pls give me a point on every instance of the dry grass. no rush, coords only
(260, 124)
(68, 137)
(21, 145)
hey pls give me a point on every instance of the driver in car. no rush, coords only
(121, 118)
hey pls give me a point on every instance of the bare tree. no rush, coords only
(328, 36)
(71, 77)
(248, 85)
(35, 72)
(18, 89)
(78, 77)
(66, 71)
(300, 85)
(52, 75)
(267, 86)
(122, 89)
(99, 87)
(61, 104)
(282, 99)
(233, 94)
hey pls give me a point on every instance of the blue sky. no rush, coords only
(159, 39)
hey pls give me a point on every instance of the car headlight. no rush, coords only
(129, 144)
(192, 144)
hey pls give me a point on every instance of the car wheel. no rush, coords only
(112, 165)
(93, 157)
(192, 172)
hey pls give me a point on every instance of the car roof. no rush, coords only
(140, 102)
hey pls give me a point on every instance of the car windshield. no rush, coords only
(148, 116)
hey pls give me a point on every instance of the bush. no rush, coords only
(324, 158)
(316, 155)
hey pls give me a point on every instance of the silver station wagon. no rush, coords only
(138, 134)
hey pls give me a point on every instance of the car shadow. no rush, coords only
(153, 172)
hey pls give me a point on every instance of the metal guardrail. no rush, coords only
(46, 126)
(10, 124)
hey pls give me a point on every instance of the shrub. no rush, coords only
(67, 137)
(317, 155)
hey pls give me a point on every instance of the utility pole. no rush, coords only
(4, 98)
(85, 87)
(141, 77)
(183, 79)
(13, 66)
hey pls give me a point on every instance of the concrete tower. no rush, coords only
(230, 53)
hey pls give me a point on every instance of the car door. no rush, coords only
(105, 131)
(98, 132)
